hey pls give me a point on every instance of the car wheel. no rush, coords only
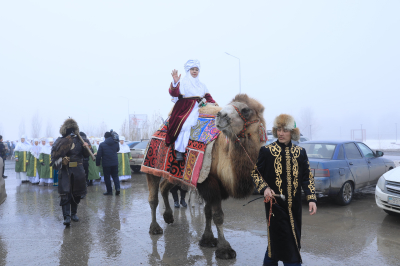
(392, 213)
(346, 194)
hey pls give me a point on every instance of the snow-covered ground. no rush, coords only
(383, 144)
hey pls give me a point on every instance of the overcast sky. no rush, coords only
(88, 59)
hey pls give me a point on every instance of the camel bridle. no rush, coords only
(271, 200)
(242, 134)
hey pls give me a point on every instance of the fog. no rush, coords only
(333, 65)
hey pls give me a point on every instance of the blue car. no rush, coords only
(342, 167)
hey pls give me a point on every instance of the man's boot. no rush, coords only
(74, 210)
(66, 208)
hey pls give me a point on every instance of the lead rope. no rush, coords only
(271, 200)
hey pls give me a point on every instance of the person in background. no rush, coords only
(93, 169)
(86, 160)
(100, 167)
(7, 147)
(33, 157)
(107, 154)
(3, 154)
(11, 147)
(174, 192)
(124, 155)
(47, 174)
(67, 156)
(21, 159)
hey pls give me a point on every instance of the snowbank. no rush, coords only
(383, 144)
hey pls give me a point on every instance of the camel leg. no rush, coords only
(165, 187)
(208, 240)
(224, 250)
(153, 184)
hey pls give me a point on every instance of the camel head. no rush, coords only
(230, 122)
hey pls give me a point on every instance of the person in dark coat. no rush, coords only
(283, 168)
(108, 157)
(67, 156)
(3, 151)
(86, 160)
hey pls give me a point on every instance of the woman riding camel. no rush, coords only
(187, 94)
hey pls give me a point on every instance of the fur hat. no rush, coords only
(68, 125)
(287, 122)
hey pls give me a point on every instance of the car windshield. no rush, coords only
(319, 150)
(133, 144)
(142, 145)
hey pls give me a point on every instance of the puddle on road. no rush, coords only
(114, 230)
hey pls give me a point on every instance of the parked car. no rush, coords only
(132, 144)
(271, 138)
(387, 192)
(137, 153)
(342, 167)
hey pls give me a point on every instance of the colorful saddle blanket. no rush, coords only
(160, 159)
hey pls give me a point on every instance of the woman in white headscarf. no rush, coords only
(33, 165)
(93, 169)
(46, 176)
(187, 94)
(21, 159)
(124, 155)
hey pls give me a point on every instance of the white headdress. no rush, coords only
(23, 146)
(46, 149)
(35, 149)
(123, 148)
(190, 86)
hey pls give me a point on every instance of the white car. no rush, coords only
(387, 192)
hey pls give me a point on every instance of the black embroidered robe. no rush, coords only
(285, 169)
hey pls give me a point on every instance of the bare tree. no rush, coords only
(102, 128)
(309, 124)
(89, 130)
(154, 124)
(124, 130)
(36, 125)
(49, 129)
(22, 127)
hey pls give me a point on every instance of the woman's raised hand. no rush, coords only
(175, 76)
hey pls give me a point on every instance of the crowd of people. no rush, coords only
(33, 156)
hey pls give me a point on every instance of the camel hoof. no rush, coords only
(155, 229)
(168, 217)
(225, 253)
(208, 242)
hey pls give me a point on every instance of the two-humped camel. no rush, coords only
(230, 171)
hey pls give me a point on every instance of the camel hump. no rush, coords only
(210, 109)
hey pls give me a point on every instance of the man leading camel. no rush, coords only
(284, 167)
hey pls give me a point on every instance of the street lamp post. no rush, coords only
(240, 74)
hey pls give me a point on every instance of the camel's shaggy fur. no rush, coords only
(230, 170)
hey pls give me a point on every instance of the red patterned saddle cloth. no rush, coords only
(160, 159)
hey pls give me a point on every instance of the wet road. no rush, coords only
(114, 230)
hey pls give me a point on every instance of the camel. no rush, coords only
(230, 171)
